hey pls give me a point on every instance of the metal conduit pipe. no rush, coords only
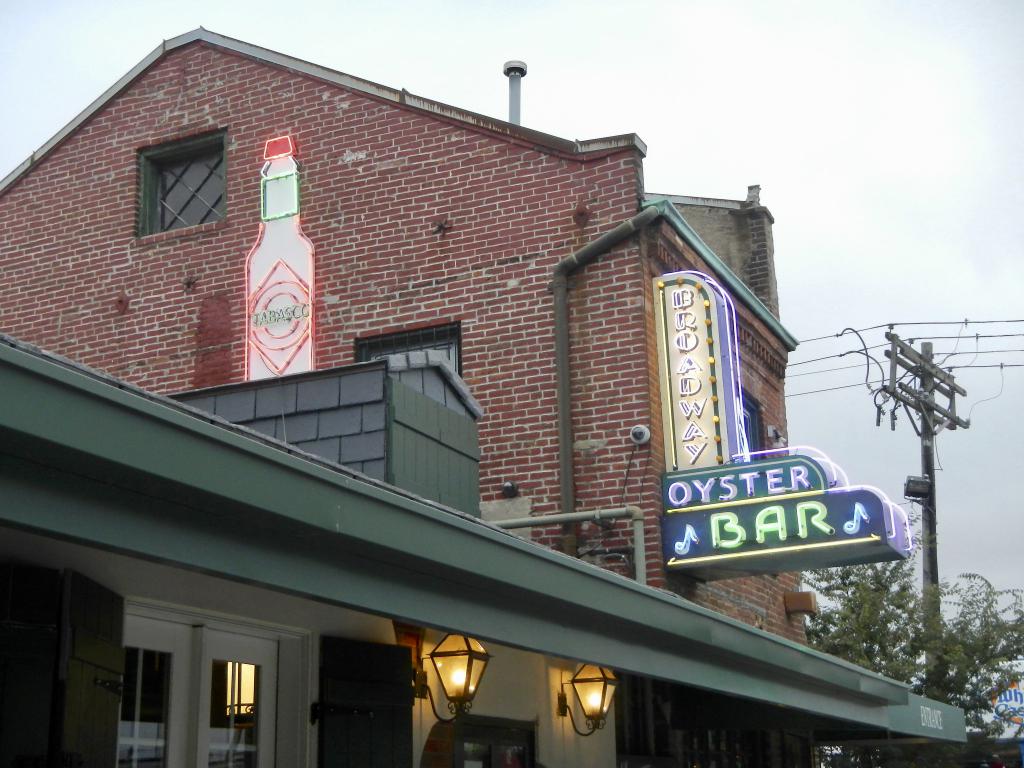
(634, 513)
(560, 291)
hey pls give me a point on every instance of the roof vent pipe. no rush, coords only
(515, 71)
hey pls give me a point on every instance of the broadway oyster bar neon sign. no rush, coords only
(729, 512)
(788, 509)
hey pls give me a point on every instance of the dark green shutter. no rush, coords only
(365, 708)
(89, 673)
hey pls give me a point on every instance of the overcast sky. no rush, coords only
(886, 137)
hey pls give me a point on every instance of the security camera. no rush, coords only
(640, 435)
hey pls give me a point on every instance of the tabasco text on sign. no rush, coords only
(786, 512)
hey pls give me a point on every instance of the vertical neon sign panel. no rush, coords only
(279, 274)
(698, 357)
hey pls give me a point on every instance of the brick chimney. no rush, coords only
(759, 273)
(740, 233)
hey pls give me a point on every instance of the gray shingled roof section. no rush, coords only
(399, 96)
(252, 434)
(435, 358)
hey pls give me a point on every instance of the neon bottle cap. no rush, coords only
(279, 147)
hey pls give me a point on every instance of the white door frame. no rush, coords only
(194, 638)
(175, 639)
(217, 644)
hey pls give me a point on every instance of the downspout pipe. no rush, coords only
(560, 290)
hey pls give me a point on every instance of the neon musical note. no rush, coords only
(859, 514)
(683, 547)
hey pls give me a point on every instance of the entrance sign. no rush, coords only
(786, 512)
(698, 357)
(279, 274)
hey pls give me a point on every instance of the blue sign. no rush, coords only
(775, 515)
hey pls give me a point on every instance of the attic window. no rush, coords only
(181, 184)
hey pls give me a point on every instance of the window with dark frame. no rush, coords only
(182, 184)
(752, 425)
(443, 338)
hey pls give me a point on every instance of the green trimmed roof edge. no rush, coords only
(646, 618)
(722, 271)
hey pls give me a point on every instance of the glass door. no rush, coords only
(196, 696)
(153, 731)
(237, 701)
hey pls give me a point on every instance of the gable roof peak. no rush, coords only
(516, 133)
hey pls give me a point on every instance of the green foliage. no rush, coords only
(874, 616)
(979, 649)
(869, 615)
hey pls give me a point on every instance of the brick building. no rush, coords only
(434, 229)
(423, 217)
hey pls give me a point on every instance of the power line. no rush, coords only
(996, 396)
(861, 383)
(976, 336)
(841, 354)
(947, 354)
(915, 338)
(963, 322)
(833, 389)
(979, 352)
(824, 370)
(872, 383)
(993, 365)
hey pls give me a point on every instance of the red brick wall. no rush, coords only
(166, 311)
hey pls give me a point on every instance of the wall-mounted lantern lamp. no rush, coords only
(459, 662)
(594, 688)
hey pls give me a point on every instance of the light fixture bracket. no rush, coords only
(564, 709)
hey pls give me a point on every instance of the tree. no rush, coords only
(979, 650)
(872, 615)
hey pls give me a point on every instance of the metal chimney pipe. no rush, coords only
(515, 71)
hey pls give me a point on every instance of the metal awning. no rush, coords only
(89, 459)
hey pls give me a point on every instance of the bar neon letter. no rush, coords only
(818, 514)
(726, 523)
(679, 494)
(771, 520)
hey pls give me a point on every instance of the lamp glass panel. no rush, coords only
(453, 672)
(591, 697)
(609, 694)
(594, 688)
(476, 671)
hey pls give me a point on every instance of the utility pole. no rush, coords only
(930, 565)
(931, 381)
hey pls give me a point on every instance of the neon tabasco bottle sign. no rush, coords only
(279, 274)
